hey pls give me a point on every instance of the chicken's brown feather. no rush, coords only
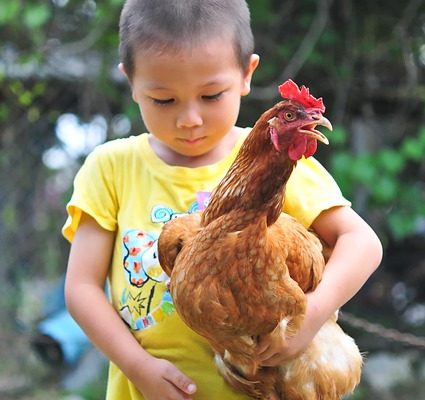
(304, 249)
(172, 238)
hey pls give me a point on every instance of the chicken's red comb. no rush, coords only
(290, 90)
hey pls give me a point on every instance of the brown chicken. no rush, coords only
(241, 268)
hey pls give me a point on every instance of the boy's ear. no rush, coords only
(252, 65)
(123, 71)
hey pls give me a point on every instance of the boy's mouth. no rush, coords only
(192, 141)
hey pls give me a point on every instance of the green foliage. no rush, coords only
(36, 15)
(261, 11)
(8, 216)
(388, 176)
(10, 11)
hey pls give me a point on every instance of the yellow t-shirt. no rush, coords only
(129, 190)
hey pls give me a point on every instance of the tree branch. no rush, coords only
(300, 56)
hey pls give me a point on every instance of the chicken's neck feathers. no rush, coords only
(255, 181)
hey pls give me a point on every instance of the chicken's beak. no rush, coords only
(310, 129)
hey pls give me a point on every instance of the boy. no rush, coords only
(188, 63)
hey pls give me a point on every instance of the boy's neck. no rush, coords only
(219, 152)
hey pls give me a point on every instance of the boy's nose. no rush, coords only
(189, 117)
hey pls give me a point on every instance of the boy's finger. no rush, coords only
(182, 382)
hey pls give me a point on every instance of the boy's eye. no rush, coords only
(213, 96)
(162, 102)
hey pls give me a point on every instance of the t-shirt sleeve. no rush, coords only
(94, 193)
(311, 190)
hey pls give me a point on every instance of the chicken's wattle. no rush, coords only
(302, 146)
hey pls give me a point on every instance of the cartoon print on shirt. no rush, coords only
(147, 300)
(140, 258)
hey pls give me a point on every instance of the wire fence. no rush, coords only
(383, 332)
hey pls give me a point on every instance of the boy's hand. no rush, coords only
(274, 348)
(161, 380)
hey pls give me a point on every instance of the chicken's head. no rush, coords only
(294, 121)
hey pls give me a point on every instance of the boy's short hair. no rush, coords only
(172, 25)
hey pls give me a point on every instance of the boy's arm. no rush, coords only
(356, 254)
(88, 266)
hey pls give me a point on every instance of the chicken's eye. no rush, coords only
(289, 116)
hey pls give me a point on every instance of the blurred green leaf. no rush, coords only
(364, 170)
(328, 38)
(341, 166)
(284, 50)
(8, 216)
(344, 71)
(261, 11)
(316, 57)
(16, 87)
(338, 136)
(25, 98)
(385, 189)
(36, 15)
(411, 194)
(412, 149)
(9, 10)
(401, 224)
(33, 114)
(4, 112)
(341, 162)
(39, 88)
(391, 161)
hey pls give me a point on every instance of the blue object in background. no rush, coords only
(59, 340)
(65, 332)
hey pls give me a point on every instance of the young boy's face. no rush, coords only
(190, 100)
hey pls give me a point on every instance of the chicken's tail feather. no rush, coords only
(261, 387)
(234, 377)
